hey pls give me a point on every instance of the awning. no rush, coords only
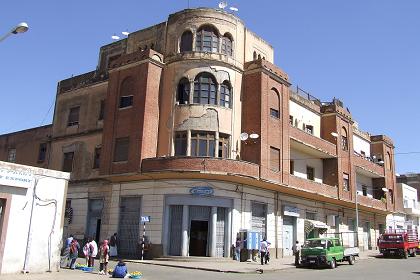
(311, 225)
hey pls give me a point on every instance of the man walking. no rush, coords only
(264, 251)
(296, 252)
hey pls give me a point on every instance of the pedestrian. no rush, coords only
(120, 270)
(264, 251)
(66, 253)
(86, 252)
(93, 251)
(103, 257)
(113, 252)
(296, 252)
(74, 252)
(238, 244)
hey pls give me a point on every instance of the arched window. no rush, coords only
(274, 102)
(259, 57)
(227, 45)
(205, 89)
(388, 161)
(344, 139)
(207, 39)
(186, 42)
(183, 93)
(127, 93)
(225, 94)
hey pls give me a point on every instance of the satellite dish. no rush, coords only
(233, 9)
(254, 136)
(244, 136)
(222, 5)
(115, 37)
(125, 33)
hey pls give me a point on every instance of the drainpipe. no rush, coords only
(28, 239)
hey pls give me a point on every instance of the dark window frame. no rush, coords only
(346, 182)
(227, 45)
(225, 95)
(101, 110)
(200, 138)
(309, 129)
(310, 173)
(121, 149)
(126, 101)
(292, 167)
(224, 146)
(275, 159)
(97, 157)
(274, 113)
(11, 155)
(205, 89)
(207, 40)
(180, 143)
(186, 42)
(183, 91)
(73, 116)
(68, 162)
(42, 152)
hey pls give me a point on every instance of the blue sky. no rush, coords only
(364, 52)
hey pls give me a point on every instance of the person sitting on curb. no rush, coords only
(120, 270)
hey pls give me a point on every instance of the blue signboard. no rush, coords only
(202, 191)
(145, 219)
(253, 240)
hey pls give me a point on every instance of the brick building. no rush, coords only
(190, 122)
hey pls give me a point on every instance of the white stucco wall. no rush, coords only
(301, 116)
(361, 181)
(51, 187)
(409, 196)
(360, 144)
(301, 160)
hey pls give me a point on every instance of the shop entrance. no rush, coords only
(198, 238)
(289, 233)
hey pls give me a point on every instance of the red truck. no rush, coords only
(399, 242)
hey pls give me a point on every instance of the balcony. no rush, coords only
(371, 202)
(367, 167)
(310, 144)
(314, 187)
(412, 209)
(81, 81)
(218, 166)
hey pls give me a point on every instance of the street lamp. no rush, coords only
(20, 28)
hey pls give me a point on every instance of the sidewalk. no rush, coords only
(231, 266)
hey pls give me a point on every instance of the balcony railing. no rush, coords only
(312, 141)
(369, 165)
(371, 202)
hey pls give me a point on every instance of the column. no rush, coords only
(165, 235)
(228, 231)
(184, 245)
(213, 233)
(191, 96)
(189, 143)
(216, 144)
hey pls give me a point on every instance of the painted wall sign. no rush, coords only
(16, 178)
(291, 211)
(202, 191)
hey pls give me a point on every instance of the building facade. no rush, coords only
(190, 122)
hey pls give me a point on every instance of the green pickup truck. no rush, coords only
(326, 252)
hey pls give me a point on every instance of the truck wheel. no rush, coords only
(405, 254)
(351, 260)
(333, 264)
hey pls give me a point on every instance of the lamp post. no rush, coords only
(20, 28)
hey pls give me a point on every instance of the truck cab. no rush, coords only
(399, 242)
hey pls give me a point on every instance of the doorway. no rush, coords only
(288, 235)
(198, 238)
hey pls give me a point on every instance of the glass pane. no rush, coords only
(211, 147)
(193, 147)
(202, 148)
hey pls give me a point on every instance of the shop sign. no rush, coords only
(291, 211)
(16, 178)
(145, 219)
(202, 191)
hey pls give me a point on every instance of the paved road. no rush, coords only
(383, 269)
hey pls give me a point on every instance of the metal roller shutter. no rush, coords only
(220, 232)
(175, 230)
(128, 230)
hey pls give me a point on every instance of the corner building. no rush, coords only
(158, 130)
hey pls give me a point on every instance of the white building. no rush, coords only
(31, 220)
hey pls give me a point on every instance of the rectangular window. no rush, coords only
(203, 144)
(391, 195)
(274, 113)
(364, 190)
(181, 144)
(42, 152)
(73, 118)
(346, 182)
(291, 120)
(11, 156)
(68, 162)
(310, 173)
(223, 146)
(101, 110)
(274, 159)
(311, 216)
(126, 101)
(344, 143)
(96, 157)
(309, 129)
(292, 167)
(121, 149)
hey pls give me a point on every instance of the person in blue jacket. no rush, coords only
(120, 270)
